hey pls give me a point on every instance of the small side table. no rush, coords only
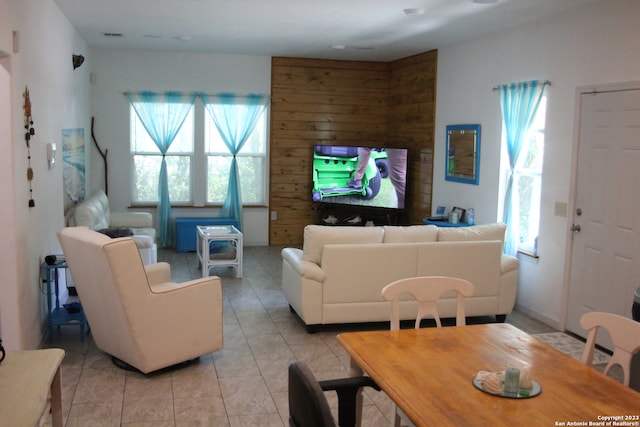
(229, 236)
(28, 377)
(59, 316)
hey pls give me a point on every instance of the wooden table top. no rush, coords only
(428, 373)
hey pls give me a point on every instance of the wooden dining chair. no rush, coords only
(308, 405)
(624, 332)
(427, 290)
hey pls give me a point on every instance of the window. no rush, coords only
(146, 160)
(198, 139)
(251, 162)
(527, 179)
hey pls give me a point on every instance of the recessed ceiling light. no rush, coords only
(413, 11)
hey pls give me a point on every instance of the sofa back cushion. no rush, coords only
(356, 273)
(477, 262)
(474, 233)
(93, 212)
(410, 234)
(316, 236)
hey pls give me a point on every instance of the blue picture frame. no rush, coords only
(462, 153)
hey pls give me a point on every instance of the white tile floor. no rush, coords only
(245, 384)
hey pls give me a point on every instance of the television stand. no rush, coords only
(348, 215)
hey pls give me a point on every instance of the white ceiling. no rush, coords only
(376, 30)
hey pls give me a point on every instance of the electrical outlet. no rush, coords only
(560, 209)
(274, 215)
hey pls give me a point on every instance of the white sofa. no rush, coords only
(94, 213)
(339, 274)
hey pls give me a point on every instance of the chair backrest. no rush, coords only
(112, 285)
(93, 212)
(624, 332)
(308, 405)
(427, 290)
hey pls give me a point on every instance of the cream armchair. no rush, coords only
(136, 314)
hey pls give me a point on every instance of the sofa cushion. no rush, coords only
(474, 233)
(410, 234)
(477, 262)
(131, 220)
(356, 273)
(93, 212)
(143, 241)
(316, 236)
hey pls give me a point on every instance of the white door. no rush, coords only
(605, 265)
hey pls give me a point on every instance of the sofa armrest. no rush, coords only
(508, 263)
(306, 269)
(131, 219)
(158, 273)
(168, 286)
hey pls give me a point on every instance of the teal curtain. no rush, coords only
(519, 103)
(235, 117)
(162, 115)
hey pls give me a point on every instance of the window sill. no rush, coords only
(528, 254)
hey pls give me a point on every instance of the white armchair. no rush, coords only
(136, 314)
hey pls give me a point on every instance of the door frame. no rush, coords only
(571, 206)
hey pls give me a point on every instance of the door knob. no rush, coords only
(575, 228)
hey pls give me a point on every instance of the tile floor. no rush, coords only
(245, 384)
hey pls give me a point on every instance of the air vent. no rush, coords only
(112, 34)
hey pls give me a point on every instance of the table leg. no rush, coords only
(56, 400)
(239, 254)
(356, 371)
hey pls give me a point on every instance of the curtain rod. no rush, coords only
(240, 95)
(544, 83)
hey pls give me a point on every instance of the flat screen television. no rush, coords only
(363, 176)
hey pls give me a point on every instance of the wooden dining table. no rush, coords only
(428, 373)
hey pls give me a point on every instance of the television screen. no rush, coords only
(364, 176)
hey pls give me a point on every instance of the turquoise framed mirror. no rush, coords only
(462, 162)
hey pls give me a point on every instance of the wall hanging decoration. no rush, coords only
(73, 170)
(462, 161)
(103, 154)
(28, 134)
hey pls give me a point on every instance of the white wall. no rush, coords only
(60, 99)
(593, 45)
(118, 71)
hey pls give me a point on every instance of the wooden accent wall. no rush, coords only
(411, 124)
(323, 102)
